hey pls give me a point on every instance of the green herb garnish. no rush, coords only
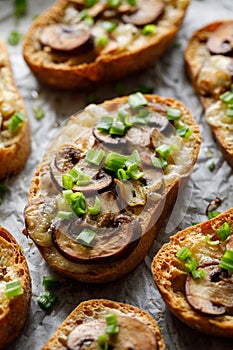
(16, 120)
(224, 231)
(14, 38)
(86, 237)
(13, 288)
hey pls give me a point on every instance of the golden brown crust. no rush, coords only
(14, 311)
(104, 67)
(14, 147)
(170, 275)
(93, 309)
(99, 273)
(196, 56)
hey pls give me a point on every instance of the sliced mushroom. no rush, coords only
(62, 37)
(38, 214)
(213, 205)
(97, 8)
(108, 139)
(99, 181)
(148, 11)
(110, 244)
(129, 193)
(66, 159)
(229, 242)
(220, 41)
(161, 123)
(211, 294)
(133, 334)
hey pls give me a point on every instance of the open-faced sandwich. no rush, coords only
(194, 274)
(14, 126)
(78, 43)
(105, 324)
(15, 289)
(209, 57)
(107, 183)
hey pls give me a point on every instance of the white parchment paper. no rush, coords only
(168, 79)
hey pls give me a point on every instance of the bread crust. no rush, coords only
(170, 275)
(14, 311)
(106, 66)
(99, 273)
(14, 146)
(196, 56)
(94, 309)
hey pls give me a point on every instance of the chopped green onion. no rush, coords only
(149, 29)
(132, 2)
(114, 3)
(137, 100)
(50, 281)
(160, 163)
(227, 97)
(134, 157)
(112, 326)
(15, 121)
(227, 260)
(224, 231)
(67, 181)
(184, 131)
(183, 253)
(200, 273)
(102, 342)
(90, 3)
(117, 128)
(96, 208)
(212, 166)
(80, 178)
(86, 237)
(47, 300)
(95, 156)
(102, 40)
(212, 214)
(230, 113)
(64, 214)
(142, 117)
(105, 124)
(122, 175)
(67, 195)
(14, 38)
(13, 288)
(191, 264)
(109, 26)
(123, 116)
(77, 203)
(134, 172)
(164, 151)
(20, 7)
(38, 112)
(210, 242)
(115, 161)
(173, 113)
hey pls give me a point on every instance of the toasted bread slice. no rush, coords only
(129, 208)
(71, 46)
(137, 329)
(208, 58)
(13, 310)
(14, 142)
(204, 302)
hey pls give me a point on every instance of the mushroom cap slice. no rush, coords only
(66, 159)
(110, 244)
(133, 334)
(63, 37)
(148, 11)
(107, 139)
(220, 41)
(63, 161)
(212, 294)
